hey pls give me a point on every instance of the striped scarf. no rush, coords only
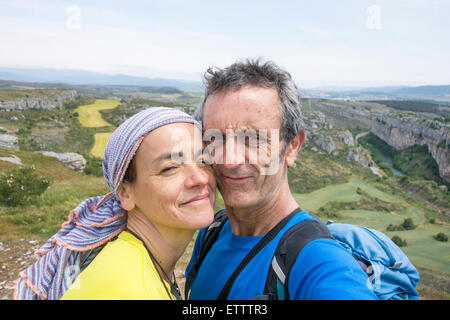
(96, 220)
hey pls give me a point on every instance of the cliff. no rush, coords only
(403, 132)
(55, 100)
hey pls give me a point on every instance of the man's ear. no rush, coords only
(125, 197)
(293, 148)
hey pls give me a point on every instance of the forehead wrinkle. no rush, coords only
(249, 116)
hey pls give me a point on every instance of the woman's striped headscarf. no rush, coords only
(96, 220)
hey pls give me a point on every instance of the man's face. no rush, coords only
(240, 170)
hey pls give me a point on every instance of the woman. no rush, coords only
(125, 245)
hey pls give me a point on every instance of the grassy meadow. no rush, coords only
(43, 216)
(422, 249)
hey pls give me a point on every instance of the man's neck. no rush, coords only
(165, 244)
(259, 220)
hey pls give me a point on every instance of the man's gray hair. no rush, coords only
(259, 74)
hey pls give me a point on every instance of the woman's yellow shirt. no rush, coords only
(122, 270)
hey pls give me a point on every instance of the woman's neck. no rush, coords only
(165, 244)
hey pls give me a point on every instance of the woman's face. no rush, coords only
(173, 187)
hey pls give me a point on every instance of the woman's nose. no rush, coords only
(197, 175)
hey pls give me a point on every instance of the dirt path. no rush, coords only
(362, 134)
(15, 256)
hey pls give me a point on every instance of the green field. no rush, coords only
(421, 248)
(341, 192)
(90, 116)
(100, 141)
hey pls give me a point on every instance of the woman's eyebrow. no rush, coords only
(166, 156)
(179, 155)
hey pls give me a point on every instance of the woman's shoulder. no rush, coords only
(121, 270)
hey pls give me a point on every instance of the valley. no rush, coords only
(334, 176)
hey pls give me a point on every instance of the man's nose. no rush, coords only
(233, 154)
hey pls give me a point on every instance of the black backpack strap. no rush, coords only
(209, 238)
(253, 252)
(290, 245)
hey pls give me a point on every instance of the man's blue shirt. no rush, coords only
(323, 269)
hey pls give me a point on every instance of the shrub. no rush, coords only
(93, 166)
(407, 224)
(399, 241)
(441, 237)
(19, 185)
(392, 227)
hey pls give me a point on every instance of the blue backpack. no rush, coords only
(391, 275)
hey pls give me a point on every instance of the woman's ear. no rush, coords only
(125, 197)
(294, 147)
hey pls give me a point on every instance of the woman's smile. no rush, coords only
(197, 200)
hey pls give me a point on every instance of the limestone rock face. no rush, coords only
(46, 102)
(358, 155)
(71, 160)
(325, 143)
(347, 138)
(8, 141)
(13, 159)
(401, 133)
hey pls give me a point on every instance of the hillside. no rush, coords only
(82, 77)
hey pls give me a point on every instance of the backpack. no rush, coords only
(391, 275)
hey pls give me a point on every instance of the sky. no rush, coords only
(321, 43)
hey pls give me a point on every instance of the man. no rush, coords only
(261, 98)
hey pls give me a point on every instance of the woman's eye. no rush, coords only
(168, 169)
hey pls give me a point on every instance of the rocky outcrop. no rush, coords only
(358, 155)
(13, 159)
(346, 111)
(324, 142)
(316, 121)
(8, 141)
(71, 160)
(347, 138)
(403, 132)
(52, 101)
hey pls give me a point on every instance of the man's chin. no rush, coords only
(239, 200)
